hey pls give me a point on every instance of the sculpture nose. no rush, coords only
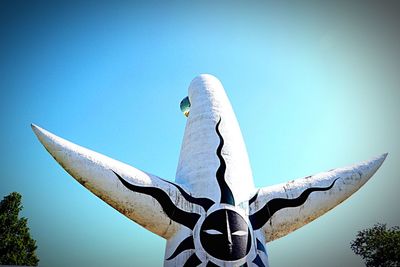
(229, 239)
(228, 231)
(229, 244)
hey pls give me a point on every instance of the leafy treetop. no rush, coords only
(378, 246)
(16, 245)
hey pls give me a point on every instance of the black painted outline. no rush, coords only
(257, 261)
(212, 264)
(192, 261)
(226, 193)
(261, 247)
(203, 202)
(261, 217)
(186, 244)
(253, 198)
(188, 219)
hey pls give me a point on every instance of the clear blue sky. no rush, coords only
(313, 86)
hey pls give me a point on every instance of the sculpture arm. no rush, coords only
(279, 210)
(156, 204)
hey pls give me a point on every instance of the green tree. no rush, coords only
(16, 245)
(378, 246)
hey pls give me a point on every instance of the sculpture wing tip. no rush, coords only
(300, 206)
(383, 156)
(374, 164)
(380, 159)
(97, 173)
(41, 134)
(36, 129)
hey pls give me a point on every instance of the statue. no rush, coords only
(212, 214)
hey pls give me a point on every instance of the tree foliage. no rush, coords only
(378, 246)
(16, 245)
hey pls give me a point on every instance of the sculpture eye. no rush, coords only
(240, 233)
(185, 106)
(213, 232)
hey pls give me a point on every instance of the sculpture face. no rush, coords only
(225, 235)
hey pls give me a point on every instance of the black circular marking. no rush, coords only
(225, 235)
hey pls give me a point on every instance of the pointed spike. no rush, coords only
(282, 221)
(93, 171)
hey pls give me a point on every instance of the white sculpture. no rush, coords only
(212, 215)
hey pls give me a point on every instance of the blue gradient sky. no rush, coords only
(313, 86)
